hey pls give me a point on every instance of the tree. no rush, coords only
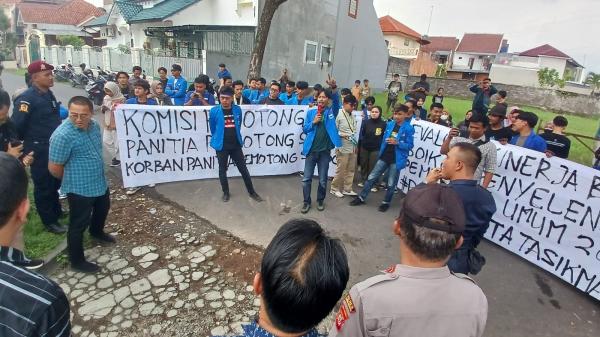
(262, 33)
(550, 78)
(8, 39)
(75, 41)
(593, 80)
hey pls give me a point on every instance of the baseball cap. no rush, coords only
(37, 66)
(302, 85)
(176, 67)
(428, 202)
(226, 91)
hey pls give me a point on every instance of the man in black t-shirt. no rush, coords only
(497, 131)
(273, 98)
(420, 89)
(557, 143)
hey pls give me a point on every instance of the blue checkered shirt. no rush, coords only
(80, 151)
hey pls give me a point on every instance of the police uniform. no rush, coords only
(35, 116)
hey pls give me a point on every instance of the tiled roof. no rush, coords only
(440, 43)
(9, 2)
(389, 25)
(69, 13)
(161, 10)
(480, 43)
(545, 50)
(128, 9)
(99, 21)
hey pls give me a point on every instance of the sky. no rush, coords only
(572, 26)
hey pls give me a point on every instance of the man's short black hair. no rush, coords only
(302, 85)
(263, 80)
(345, 91)
(370, 99)
(480, 118)
(487, 79)
(400, 108)
(357, 82)
(396, 75)
(423, 77)
(470, 154)
(291, 84)
(304, 273)
(350, 99)
(137, 68)
(365, 80)
(502, 93)
(237, 82)
(142, 84)
(317, 87)
(436, 105)
(560, 121)
(4, 99)
(202, 79)
(162, 68)
(227, 77)
(529, 117)
(122, 73)
(411, 101)
(276, 84)
(82, 100)
(328, 92)
(222, 65)
(13, 186)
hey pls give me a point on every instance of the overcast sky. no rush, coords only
(572, 26)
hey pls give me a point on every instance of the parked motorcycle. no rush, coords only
(95, 90)
(83, 78)
(63, 72)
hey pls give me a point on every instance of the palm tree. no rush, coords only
(593, 80)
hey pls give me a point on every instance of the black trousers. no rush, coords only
(85, 212)
(237, 156)
(45, 186)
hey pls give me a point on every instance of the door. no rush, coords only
(471, 62)
(34, 48)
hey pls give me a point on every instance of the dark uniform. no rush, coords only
(36, 116)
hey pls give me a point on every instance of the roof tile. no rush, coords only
(78, 11)
(480, 43)
(440, 43)
(392, 26)
(544, 50)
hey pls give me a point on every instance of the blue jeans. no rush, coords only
(378, 170)
(459, 261)
(321, 160)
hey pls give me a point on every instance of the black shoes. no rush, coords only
(256, 197)
(383, 207)
(115, 162)
(30, 265)
(56, 228)
(85, 267)
(356, 201)
(104, 237)
(320, 206)
(305, 208)
(225, 197)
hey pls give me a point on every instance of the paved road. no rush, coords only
(523, 299)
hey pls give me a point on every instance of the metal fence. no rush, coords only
(77, 57)
(96, 60)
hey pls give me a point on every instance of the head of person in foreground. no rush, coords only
(14, 203)
(302, 276)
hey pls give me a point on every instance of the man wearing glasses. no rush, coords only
(273, 98)
(176, 86)
(76, 158)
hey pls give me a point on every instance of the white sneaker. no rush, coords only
(351, 193)
(132, 190)
(374, 189)
(361, 185)
(336, 193)
(152, 185)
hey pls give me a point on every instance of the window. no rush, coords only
(406, 42)
(325, 53)
(310, 52)
(353, 8)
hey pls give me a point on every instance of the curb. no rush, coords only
(50, 262)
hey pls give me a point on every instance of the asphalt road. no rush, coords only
(524, 300)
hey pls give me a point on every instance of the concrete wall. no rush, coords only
(553, 63)
(236, 64)
(360, 47)
(514, 75)
(519, 95)
(219, 13)
(396, 46)
(461, 61)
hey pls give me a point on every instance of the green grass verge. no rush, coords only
(586, 126)
(38, 241)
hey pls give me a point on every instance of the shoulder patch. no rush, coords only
(341, 317)
(463, 276)
(24, 106)
(390, 269)
(349, 303)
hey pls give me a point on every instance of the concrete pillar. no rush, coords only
(43, 53)
(69, 53)
(53, 55)
(106, 57)
(136, 56)
(85, 55)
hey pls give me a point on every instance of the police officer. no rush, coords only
(35, 116)
(420, 296)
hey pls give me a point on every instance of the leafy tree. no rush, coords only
(262, 33)
(550, 78)
(593, 80)
(441, 71)
(75, 41)
(8, 39)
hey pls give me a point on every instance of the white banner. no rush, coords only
(548, 208)
(160, 144)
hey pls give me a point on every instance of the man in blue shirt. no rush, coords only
(176, 86)
(263, 91)
(302, 275)
(141, 89)
(222, 73)
(200, 96)
(524, 125)
(398, 140)
(290, 92)
(302, 96)
(225, 122)
(76, 158)
(459, 167)
(251, 93)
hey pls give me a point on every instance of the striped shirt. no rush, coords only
(30, 304)
(488, 154)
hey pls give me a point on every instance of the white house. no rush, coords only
(402, 41)
(474, 55)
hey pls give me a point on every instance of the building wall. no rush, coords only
(219, 13)
(553, 63)
(461, 61)
(360, 47)
(236, 64)
(397, 47)
(555, 100)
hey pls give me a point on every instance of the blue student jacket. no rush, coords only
(250, 94)
(294, 101)
(260, 95)
(216, 122)
(533, 142)
(406, 140)
(177, 90)
(284, 97)
(309, 128)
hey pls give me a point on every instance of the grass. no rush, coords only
(38, 241)
(586, 126)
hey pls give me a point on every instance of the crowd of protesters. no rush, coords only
(303, 271)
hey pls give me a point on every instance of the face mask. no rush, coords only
(444, 117)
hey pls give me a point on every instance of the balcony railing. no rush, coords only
(403, 52)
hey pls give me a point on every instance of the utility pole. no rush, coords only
(430, 17)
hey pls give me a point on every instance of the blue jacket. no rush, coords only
(177, 90)
(207, 96)
(134, 100)
(479, 207)
(216, 122)
(36, 115)
(294, 101)
(284, 97)
(221, 74)
(481, 101)
(259, 96)
(309, 128)
(250, 94)
(406, 139)
(533, 142)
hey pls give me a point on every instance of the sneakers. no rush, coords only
(225, 197)
(356, 201)
(305, 208)
(256, 197)
(104, 237)
(361, 184)
(350, 193)
(30, 264)
(383, 207)
(115, 162)
(61, 195)
(321, 206)
(336, 193)
(132, 190)
(85, 267)
(374, 189)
